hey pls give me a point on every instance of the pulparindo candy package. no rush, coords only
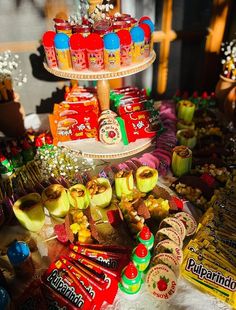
(210, 258)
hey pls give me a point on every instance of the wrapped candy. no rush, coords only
(29, 212)
(146, 178)
(78, 196)
(55, 199)
(100, 192)
(124, 183)
(181, 160)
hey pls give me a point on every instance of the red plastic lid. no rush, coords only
(63, 26)
(77, 41)
(144, 18)
(195, 94)
(94, 41)
(59, 20)
(204, 95)
(131, 271)
(125, 37)
(141, 250)
(146, 29)
(123, 17)
(2, 157)
(48, 38)
(145, 233)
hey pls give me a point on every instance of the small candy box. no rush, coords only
(141, 124)
(129, 107)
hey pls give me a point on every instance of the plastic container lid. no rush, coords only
(77, 41)
(63, 26)
(94, 41)
(18, 252)
(48, 38)
(111, 41)
(120, 24)
(137, 34)
(141, 250)
(144, 18)
(61, 41)
(4, 298)
(81, 29)
(147, 30)
(145, 233)
(150, 23)
(125, 37)
(131, 271)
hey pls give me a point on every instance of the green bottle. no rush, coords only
(146, 237)
(131, 279)
(141, 257)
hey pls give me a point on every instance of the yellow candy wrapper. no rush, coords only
(209, 277)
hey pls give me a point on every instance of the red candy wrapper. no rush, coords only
(107, 275)
(63, 282)
(113, 261)
(96, 289)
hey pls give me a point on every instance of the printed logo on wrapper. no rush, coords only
(177, 224)
(110, 134)
(161, 282)
(167, 259)
(171, 234)
(188, 221)
(168, 246)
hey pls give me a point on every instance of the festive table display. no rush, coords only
(81, 232)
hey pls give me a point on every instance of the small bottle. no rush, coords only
(152, 28)
(49, 49)
(141, 257)
(111, 52)
(131, 279)
(61, 42)
(19, 256)
(78, 52)
(125, 47)
(137, 35)
(147, 38)
(95, 52)
(146, 237)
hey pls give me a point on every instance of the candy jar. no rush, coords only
(95, 55)
(64, 27)
(84, 30)
(112, 52)
(131, 279)
(78, 52)
(137, 35)
(146, 237)
(50, 53)
(125, 47)
(61, 42)
(102, 27)
(141, 257)
(147, 38)
(20, 257)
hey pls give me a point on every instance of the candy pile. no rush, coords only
(210, 258)
(107, 44)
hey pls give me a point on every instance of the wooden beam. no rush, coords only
(162, 71)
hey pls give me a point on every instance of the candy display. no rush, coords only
(87, 232)
(110, 43)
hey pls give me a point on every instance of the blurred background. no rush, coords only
(187, 41)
